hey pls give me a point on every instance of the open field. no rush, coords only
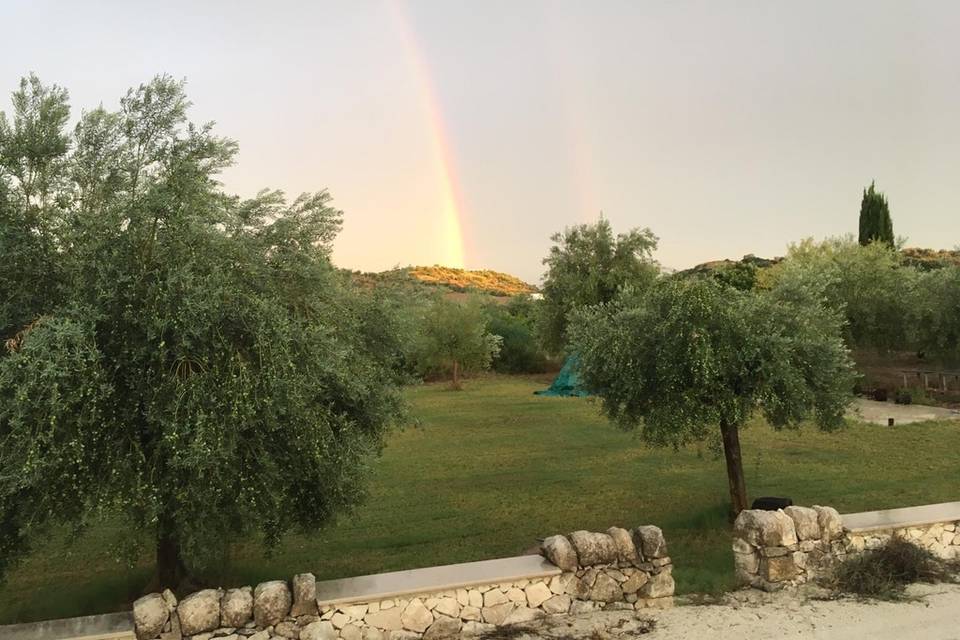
(491, 469)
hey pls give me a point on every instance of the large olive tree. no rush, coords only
(690, 359)
(173, 355)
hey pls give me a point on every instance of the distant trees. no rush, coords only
(691, 360)
(172, 356)
(936, 311)
(454, 340)
(875, 222)
(588, 265)
(867, 284)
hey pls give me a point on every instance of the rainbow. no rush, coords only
(451, 201)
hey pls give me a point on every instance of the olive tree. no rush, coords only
(589, 265)
(689, 360)
(936, 304)
(191, 362)
(868, 285)
(454, 340)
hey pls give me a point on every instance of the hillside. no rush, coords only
(927, 259)
(485, 281)
(923, 259)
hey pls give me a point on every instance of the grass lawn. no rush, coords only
(492, 468)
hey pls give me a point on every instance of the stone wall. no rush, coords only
(618, 569)
(941, 538)
(775, 549)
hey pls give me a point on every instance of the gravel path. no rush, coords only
(933, 615)
(878, 412)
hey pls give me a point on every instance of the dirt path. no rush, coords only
(933, 615)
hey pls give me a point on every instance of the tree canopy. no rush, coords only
(454, 339)
(691, 360)
(875, 222)
(173, 355)
(588, 265)
(867, 284)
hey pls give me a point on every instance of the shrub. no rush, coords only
(520, 351)
(904, 397)
(884, 573)
(880, 394)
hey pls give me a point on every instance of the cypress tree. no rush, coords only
(875, 221)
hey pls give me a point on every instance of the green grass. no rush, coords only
(492, 468)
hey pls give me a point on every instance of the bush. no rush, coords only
(885, 572)
(519, 351)
(880, 394)
(904, 397)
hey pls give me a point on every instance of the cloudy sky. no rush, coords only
(466, 133)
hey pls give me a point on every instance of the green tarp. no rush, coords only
(567, 382)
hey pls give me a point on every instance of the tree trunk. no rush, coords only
(170, 568)
(731, 451)
(456, 375)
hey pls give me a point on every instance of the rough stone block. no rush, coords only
(236, 607)
(271, 602)
(150, 614)
(747, 562)
(626, 548)
(497, 613)
(320, 630)
(605, 589)
(494, 597)
(442, 627)
(805, 521)
(385, 619)
(199, 612)
(537, 593)
(742, 546)
(304, 595)
(593, 548)
(635, 582)
(765, 528)
(831, 525)
(659, 586)
(448, 607)
(556, 604)
(778, 569)
(470, 613)
(559, 551)
(416, 617)
(650, 541)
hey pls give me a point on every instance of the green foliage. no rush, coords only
(691, 360)
(588, 265)
(193, 364)
(867, 284)
(875, 222)
(936, 306)
(691, 353)
(454, 339)
(520, 351)
(885, 572)
(743, 274)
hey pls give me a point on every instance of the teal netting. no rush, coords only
(567, 382)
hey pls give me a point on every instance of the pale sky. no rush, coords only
(471, 131)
